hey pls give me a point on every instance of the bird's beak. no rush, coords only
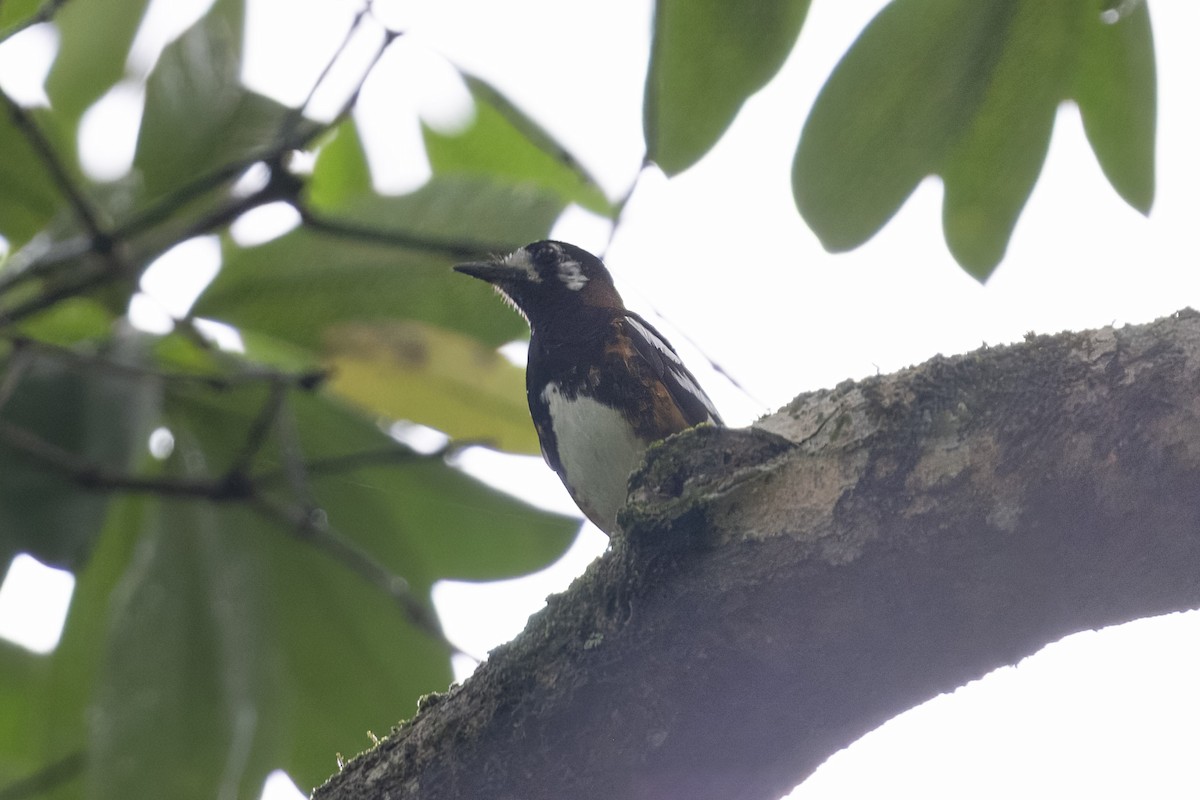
(493, 272)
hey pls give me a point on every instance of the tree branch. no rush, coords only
(780, 591)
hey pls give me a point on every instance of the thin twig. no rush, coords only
(302, 380)
(101, 242)
(313, 528)
(90, 475)
(41, 302)
(365, 233)
(45, 13)
(260, 429)
(621, 205)
(18, 363)
(49, 777)
(298, 114)
(333, 465)
(26, 265)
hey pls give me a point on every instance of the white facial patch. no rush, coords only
(571, 274)
(520, 259)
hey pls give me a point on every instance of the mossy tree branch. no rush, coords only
(782, 590)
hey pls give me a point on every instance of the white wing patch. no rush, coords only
(678, 370)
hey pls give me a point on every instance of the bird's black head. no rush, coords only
(548, 279)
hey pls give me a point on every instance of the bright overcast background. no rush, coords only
(721, 258)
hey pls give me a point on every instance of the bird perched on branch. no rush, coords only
(602, 383)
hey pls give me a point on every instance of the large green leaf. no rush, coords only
(969, 91)
(1115, 87)
(93, 48)
(94, 413)
(417, 515)
(296, 286)
(198, 116)
(707, 58)
(190, 648)
(205, 618)
(503, 143)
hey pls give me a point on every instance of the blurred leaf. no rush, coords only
(190, 648)
(46, 698)
(1115, 86)
(344, 660)
(23, 685)
(93, 47)
(87, 410)
(706, 59)
(295, 286)
(29, 198)
(408, 370)
(341, 172)
(502, 142)
(423, 518)
(14, 12)
(198, 116)
(70, 321)
(963, 89)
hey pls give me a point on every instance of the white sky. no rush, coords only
(721, 253)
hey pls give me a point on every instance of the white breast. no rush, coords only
(598, 451)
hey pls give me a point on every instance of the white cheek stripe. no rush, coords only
(571, 274)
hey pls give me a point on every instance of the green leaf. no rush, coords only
(46, 698)
(198, 116)
(93, 48)
(29, 199)
(191, 648)
(295, 286)
(14, 12)
(90, 411)
(1115, 87)
(962, 89)
(502, 142)
(707, 58)
(418, 515)
(991, 170)
(70, 321)
(341, 172)
(408, 370)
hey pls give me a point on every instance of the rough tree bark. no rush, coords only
(784, 589)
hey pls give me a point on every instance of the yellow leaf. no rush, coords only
(422, 373)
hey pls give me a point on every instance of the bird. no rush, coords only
(601, 382)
